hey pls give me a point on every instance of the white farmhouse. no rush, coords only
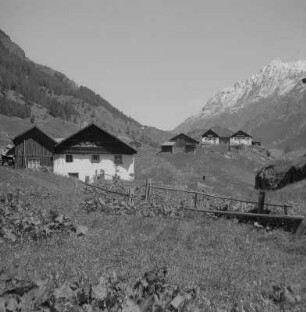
(216, 136)
(94, 151)
(240, 138)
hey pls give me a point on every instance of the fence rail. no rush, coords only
(199, 198)
(260, 204)
(104, 189)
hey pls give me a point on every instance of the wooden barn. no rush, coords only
(33, 149)
(167, 147)
(180, 143)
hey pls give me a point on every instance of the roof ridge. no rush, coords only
(100, 128)
(29, 129)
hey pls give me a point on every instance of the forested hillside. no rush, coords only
(38, 93)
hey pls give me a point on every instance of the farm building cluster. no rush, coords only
(212, 136)
(87, 154)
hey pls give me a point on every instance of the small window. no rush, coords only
(118, 160)
(73, 174)
(69, 158)
(95, 158)
(33, 163)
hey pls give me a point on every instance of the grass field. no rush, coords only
(226, 173)
(234, 264)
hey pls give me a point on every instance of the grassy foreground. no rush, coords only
(233, 264)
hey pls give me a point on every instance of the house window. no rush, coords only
(73, 174)
(95, 158)
(118, 160)
(33, 163)
(69, 158)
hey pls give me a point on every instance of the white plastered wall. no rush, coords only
(212, 140)
(83, 165)
(241, 141)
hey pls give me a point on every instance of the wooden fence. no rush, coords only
(200, 200)
(218, 205)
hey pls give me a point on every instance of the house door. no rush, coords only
(189, 148)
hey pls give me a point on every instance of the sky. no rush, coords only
(158, 61)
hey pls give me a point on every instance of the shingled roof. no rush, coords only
(241, 133)
(109, 139)
(220, 132)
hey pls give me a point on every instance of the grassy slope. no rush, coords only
(230, 262)
(227, 173)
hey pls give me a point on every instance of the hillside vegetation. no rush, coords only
(40, 94)
(233, 266)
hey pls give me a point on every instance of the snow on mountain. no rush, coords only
(273, 95)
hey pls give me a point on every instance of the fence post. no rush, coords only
(285, 209)
(195, 200)
(131, 196)
(102, 174)
(148, 189)
(261, 201)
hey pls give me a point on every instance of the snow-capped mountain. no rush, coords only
(271, 105)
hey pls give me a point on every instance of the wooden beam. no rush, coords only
(289, 222)
(261, 201)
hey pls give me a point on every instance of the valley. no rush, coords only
(67, 247)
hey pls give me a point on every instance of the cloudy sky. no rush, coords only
(158, 61)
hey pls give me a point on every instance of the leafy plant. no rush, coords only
(19, 220)
(150, 293)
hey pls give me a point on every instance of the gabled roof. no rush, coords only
(24, 133)
(113, 137)
(241, 133)
(186, 136)
(219, 132)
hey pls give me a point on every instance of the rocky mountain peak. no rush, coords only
(273, 97)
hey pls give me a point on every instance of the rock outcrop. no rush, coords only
(281, 173)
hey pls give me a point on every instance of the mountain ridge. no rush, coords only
(273, 95)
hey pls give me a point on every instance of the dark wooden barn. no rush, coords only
(184, 142)
(180, 143)
(33, 149)
(167, 147)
